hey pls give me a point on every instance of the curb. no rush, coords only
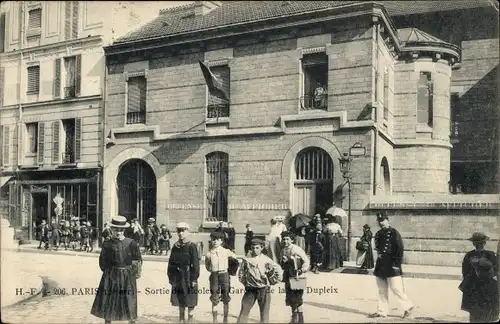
(39, 287)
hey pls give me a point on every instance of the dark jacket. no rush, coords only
(390, 250)
(184, 270)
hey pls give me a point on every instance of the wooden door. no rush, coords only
(304, 199)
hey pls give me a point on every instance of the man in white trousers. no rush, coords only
(388, 271)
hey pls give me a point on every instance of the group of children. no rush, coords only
(74, 234)
(257, 273)
(156, 239)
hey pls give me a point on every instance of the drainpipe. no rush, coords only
(375, 116)
(104, 136)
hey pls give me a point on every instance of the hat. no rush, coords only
(247, 225)
(182, 225)
(381, 216)
(479, 237)
(257, 241)
(366, 226)
(119, 222)
(151, 220)
(317, 216)
(278, 218)
(286, 234)
(216, 235)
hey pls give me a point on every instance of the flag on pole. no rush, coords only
(214, 85)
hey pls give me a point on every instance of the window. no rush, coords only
(315, 81)
(71, 21)
(70, 77)
(424, 99)
(219, 107)
(33, 79)
(31, 138)
(454, 115)
(216, 186)
(35, 18)
(69, 140)
(136, 100)
(386, 94)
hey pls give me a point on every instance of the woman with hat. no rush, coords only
(479, 287)
(365, 250)
(183, 272)
(274, 240)
(333, 253)
(121, 263)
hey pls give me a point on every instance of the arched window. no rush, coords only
(385, 180)
(216, 186)
(425, 99)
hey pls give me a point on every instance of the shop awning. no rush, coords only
(4, 180)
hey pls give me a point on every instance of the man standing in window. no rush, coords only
(319, 96)
(388, 271)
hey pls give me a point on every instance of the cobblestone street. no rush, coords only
(355, 297)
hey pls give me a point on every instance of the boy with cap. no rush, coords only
(217, 263)
(295, 263)
(388, 270)
(183, 272)
(257, 273)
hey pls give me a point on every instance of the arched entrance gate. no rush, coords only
(136, 191)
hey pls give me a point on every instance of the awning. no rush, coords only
(4, 180)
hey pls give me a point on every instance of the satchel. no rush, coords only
(360, 246)
(272, 275)
(298, 283)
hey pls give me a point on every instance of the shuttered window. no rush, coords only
(6, 145)
(34, 79)
(2, 85)
(136, 100)
(218, 107)
(56, 142)
(41, 143)
(57, 78)
(424, 99)
(78, 74)
(35, 18)
(31, 137)
(78, 139)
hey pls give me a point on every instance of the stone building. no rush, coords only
(307, 81)
(51, 99)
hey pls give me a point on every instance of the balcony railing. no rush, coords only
(137, 117)
(311, 102)
(218, 110)
(68, 158)
(69, 92)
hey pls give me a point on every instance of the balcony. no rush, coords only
(136, 117)
(218, 110)
(68, 158)
(310, 102)
(69, 92)
(455, 132)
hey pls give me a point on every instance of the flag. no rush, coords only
(214, 84)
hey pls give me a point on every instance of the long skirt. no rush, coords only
(333, 255)
(300, 241)
(274, 249)
(116, 298)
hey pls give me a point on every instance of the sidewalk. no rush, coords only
(17, 285)
(409, 270)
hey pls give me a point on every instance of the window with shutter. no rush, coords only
(21, 129)
(78, 74)
(6, 145)
(33, 79)
(2, 85)
(424, 99)
(78, 139)
(315, 72)
(55, 142)
(57, 78)
(74, 25)
(41, 143)
(218, 107)
(70, 77)
(35, 18)
(136, 100)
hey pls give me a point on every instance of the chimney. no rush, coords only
(203, 7)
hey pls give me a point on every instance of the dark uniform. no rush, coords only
(388, 271)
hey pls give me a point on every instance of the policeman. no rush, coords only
(388, 271)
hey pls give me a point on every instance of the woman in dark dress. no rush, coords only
(479, 287)
(183, 272)
(333, 253)
(121, 263)
(366, 243)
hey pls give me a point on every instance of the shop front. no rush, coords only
(53, 195)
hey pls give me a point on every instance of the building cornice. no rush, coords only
(54, 102)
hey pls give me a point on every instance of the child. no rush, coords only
(65, 234)
(217, 263)
(85, 235)
(164, 240)
(294, 262)
(43, 229)
(151, 234)
(55, 234)
(92, 236)
(317, 248)
(248, 239)
(76, 234)
(257, 273)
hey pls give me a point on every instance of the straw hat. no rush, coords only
(119, 222)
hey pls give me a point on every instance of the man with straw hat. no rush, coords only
(479, 287)
(183, 272)
(121, 263)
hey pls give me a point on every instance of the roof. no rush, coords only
(414, 35)
(237, 12)
(415, 39)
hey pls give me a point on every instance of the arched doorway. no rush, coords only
(136, 190)
(385, 180)
(312, 182)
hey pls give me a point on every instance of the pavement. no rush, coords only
(330, 297)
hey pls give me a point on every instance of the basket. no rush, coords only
(298, 283)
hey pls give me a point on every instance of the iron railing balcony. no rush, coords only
(218, 110)
(136, 117)
(69, 92)
(311, 102)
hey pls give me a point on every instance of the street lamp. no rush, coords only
(345, 167)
